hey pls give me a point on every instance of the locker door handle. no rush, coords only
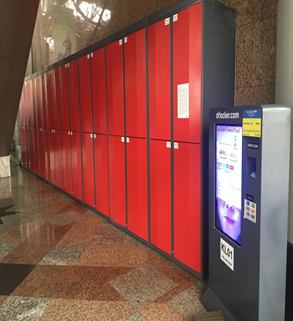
(168, 144)
(176, 145)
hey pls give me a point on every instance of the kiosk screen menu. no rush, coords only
(229, 180)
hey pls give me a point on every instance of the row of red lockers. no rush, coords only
(64, 127)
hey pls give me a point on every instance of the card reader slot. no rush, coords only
(251, 167)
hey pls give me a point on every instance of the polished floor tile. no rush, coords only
(152, 284)
(12, 275)
(22, 308)
(115, 255)
(63, 255)
(80, 266)
(78, 310)
(71, 282)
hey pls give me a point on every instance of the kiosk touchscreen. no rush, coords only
(249, 150)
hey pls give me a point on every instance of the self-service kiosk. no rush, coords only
(249, 151)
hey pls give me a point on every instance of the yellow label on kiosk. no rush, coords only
(251, 122)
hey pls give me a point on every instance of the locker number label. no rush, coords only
(167, 21)
(175, 17)
(120, 42)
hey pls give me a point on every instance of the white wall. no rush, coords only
(284, 79)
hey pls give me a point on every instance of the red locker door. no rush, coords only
(187, 205)
(66, 161)
(85, 94)
(73, 96)
(41, 164)
(187, 43)
(34, 104)
(44, 102)
(117, 180)
(46, 155)
(36, 151)
(135, 84)
(159, 79)
(56, 112)
(160, 195)
(62, 71)
(115, 94)
(58, 159)
(76, 165)
(88, 165)
(39, 99)
(30, 115)
(102, 174)
(51, 153)
(99, 91)
(31, 143)
(137, 191)
(49, 94)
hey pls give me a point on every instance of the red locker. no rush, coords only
(159, 79)
(137, 187)
(58, 159)
(56, 111)
(76, 165)
(88, 166)
(41, 161)
(117, 180)
(66, 161)
(46, 155)
(187, 205)
(85, 94)
(73, 96)
(115, 93)
(34, 103)
(44, 102)
(99, 91)
(31, 149)
(36, 151)
(49, 94)
(39, 101)
(102, 174)
(30, 113)
(187, 47)
(160, 195)
(135, 84)
(51, 153)
(62, 71)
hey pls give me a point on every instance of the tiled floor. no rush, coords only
(60, 261)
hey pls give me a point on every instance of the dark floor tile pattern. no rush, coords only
(61, 261)
(11, 275)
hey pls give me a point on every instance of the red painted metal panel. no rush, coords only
(41, 161)
(187, 205)
(66, 161)
(99, 91)
(187, 46)
(135, 84)
(88, 166)
(30, 111)
(73, 96)
(56, 110)
(159, 80)
(85, 94)
(117, 180)
(137, 192)
(44, 102)
(76, 165)
(49, 94)
(51, 152)
(115, 93)
(102, 174)
(36, 151)
(32, 150)
(39, 101)
(46, 155)
(58, 159)
(33, 102)
(63, 83)
(160, 195)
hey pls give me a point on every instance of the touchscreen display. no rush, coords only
(229, 180)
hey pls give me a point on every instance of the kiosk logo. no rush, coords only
(227, 254)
